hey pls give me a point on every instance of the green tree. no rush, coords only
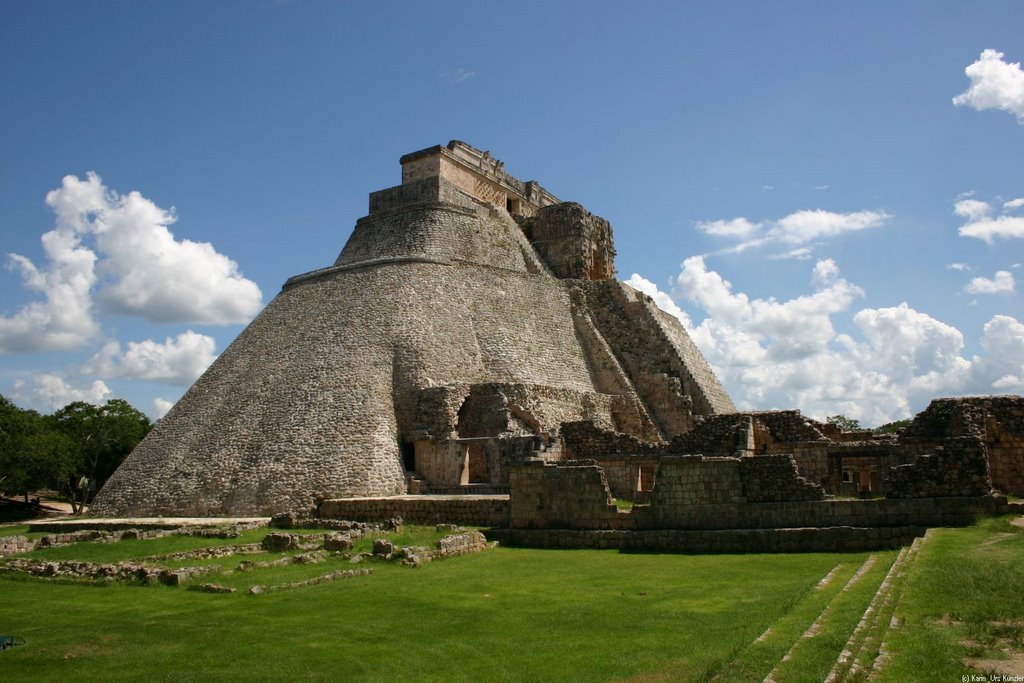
(847, 424)
(17, 427)
(892, 427)
(102, 436)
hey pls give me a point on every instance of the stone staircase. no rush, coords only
(797, 645)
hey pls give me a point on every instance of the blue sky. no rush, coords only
(793, 178)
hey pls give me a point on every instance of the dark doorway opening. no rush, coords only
(408, 449)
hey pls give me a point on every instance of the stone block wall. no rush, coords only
(571, 495)
(696, 480)
(775, 479)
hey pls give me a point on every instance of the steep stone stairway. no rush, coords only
(837, 632)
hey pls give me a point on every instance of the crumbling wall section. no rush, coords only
(959, 467)
(997, 420)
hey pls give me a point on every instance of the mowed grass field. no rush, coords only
(509, 614)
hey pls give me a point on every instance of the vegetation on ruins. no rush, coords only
(73, 451)
(521, 614)
(848, 424)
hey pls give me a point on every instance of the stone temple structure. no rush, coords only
(469, 316)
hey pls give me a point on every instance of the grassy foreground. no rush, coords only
(501, 615)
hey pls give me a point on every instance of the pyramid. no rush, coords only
(468, 316)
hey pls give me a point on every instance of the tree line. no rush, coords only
(74, 450)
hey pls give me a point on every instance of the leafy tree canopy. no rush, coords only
(75, 450)
(847, 424)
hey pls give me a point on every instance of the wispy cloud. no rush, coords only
(457, 76)
(799, 230)
(982, 225)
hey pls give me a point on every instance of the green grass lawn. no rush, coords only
(505, 614)
(964, 597)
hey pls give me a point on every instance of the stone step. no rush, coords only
(783, 669)
(780, 635)
(865, 647)
(894, 622)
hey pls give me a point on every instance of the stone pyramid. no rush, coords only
(469, 315)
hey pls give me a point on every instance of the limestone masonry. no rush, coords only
(469, 316)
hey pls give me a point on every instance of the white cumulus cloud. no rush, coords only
(177, 361)
(47, 392)
(161, 407)
(995, 84)
(1013, 204)
(1002, 282)
(132, 265)
(972, 209)
(64, 319)
(774, 354)
(661, 299)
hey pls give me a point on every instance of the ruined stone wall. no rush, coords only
(695, 493)
(630, 477)
(571, 495)
(997, 420)
(959, 467)
(586, 440)
(686, 482)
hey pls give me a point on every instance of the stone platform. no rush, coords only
(67, 524)
(474, 510)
